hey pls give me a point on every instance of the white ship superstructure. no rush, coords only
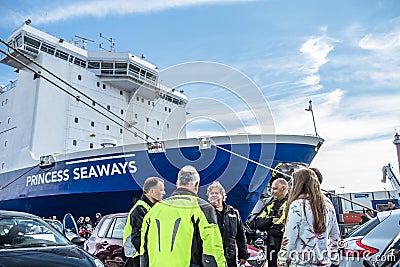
(51, 122)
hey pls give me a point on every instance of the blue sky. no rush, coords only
(342, 54)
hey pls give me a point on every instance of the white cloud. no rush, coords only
(316, 50)
(103, 8)
(380, 42)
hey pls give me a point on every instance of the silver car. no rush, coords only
(369, 240)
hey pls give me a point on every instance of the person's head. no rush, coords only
(318, 173)
(189, 178)
(216, 194)
(391, 204)
(87, 220)
(153, 189)
(306, 186)
(279, 188)
(98, 215)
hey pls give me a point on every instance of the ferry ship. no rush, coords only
(64, 147)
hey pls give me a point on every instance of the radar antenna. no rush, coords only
(83, 40)
(110, 40)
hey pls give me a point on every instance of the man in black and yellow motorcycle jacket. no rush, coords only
(272, 219)
(182, 230)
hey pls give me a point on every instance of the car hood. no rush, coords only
(45, 256)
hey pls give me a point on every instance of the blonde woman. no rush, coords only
(311, 229)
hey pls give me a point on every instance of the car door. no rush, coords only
(109, 241)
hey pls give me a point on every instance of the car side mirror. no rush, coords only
(78, 240)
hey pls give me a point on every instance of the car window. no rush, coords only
(28, 232)
(104, 227)
(366, 228)
(117, 228)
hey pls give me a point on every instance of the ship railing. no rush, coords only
(8, 87)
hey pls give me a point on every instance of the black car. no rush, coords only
(27, 240)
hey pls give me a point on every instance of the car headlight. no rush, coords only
(98, 263)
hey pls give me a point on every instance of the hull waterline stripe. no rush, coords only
(98, 158)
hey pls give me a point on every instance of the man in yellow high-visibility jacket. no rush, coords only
(182, 230)
(153, 192)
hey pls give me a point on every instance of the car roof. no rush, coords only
(120, 214)
(16, 213)
(384, 214)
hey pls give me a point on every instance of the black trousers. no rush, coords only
(133, 262)
(231, 262)
(273, 247)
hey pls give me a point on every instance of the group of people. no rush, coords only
(301, 226)
(185, 230)
(86, 222)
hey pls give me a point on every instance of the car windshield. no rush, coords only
(56, 224)
(20, 232)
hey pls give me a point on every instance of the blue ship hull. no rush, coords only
(111, 182)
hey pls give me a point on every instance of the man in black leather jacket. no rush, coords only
(230, 226)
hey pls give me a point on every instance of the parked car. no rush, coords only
(106, 243)
(27, 240)
(68, 227)
(389, 257)
(369, 240)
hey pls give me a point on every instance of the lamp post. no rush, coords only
(312, 114)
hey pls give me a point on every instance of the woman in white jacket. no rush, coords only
(311, 230)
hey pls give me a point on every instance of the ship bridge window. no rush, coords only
(31, 42)
(74, 142)
(134, 68)
(121, 65)
(107, 65)
(104, 86)
(80, 62)
(31, 45)
(76, 120)
(142, 73)
(150, 76)
(98, 84)
(71, 59)
(62, 55)
(94, 64)
(48, 49)
(91, 145)
(79, 77)
(18, 41)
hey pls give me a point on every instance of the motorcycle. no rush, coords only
(256, 246)
(86, 231)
